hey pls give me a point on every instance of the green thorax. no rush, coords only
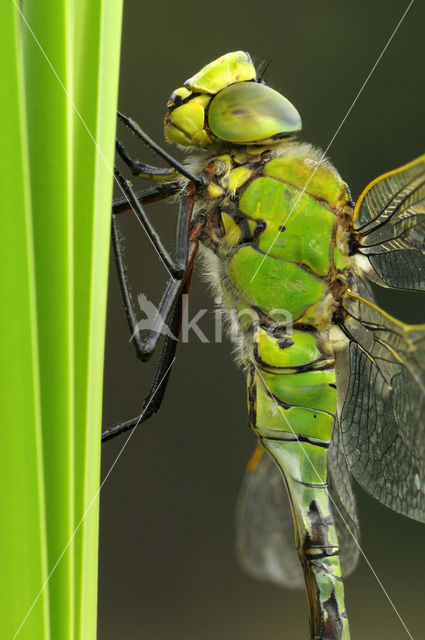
(280, 209)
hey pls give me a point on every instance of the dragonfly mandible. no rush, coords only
(336, 386)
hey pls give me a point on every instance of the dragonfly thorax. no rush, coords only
(273, 252)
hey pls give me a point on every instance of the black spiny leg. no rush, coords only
(145, 348)
(141, 169)
(198, 181)
(177, 268)
(152, 194)
(154, 398)
(170, 308)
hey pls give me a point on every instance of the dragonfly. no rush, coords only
(335, 385)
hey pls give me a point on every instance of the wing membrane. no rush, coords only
(390, 220)
(364, 289)
(264, 529)
(343, 504)
(382, 405)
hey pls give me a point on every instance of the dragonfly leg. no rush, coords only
(142, 169)
(176, 268)
(168, 316)
(154, 398)
(144, 349)
(147, 196)
(198, 180)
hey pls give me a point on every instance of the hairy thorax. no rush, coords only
(276, 235)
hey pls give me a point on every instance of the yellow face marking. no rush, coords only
(202, 100)
(182, 93)
(189, 118)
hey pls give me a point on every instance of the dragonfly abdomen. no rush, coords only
(292, 406)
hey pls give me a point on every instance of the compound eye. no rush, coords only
(248, 112)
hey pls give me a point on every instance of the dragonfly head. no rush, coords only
(224, 104)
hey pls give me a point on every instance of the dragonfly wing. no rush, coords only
(380, 372)
(364, 289)
(264, 529)
(389, 218)
(343, 504)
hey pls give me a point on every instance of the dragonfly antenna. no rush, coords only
(262, 72)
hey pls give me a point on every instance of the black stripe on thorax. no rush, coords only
(320, 364)
(295, 437)
(287, 406)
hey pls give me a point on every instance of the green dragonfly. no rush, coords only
(336, 386)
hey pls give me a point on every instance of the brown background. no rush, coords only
(167, 567)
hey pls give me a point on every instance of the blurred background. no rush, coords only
(167, 566)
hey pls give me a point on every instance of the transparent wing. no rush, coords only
(363, 288)
(389, 218)
(264, 530)
(343, 504)
(381, 398)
